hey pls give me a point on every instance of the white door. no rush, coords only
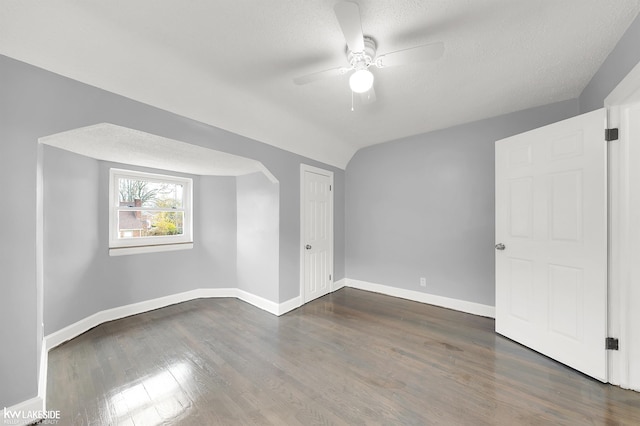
(317, 232)
(551, 217)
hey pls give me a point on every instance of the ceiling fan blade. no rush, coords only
(424, 53)
(348, 14)
(310, 78)
(368, 97)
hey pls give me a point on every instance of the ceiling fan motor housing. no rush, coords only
(362, 60)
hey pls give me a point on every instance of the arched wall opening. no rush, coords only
(236, 227)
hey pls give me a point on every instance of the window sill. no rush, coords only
(125, 251)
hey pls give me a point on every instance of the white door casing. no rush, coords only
(551, 215)
(627, 310)
(623, 112)
(316, 230)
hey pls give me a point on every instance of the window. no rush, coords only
(148, 212)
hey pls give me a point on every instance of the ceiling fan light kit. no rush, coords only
(361, 53)
(361, 81)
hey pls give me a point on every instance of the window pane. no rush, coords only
(149, 209)
(145, 193)
(140, 223)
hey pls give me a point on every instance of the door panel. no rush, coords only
(521, 277)
(551, 282)
(521, 207)
(566, 206)
(566, 301)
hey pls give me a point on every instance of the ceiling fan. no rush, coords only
(361, 54)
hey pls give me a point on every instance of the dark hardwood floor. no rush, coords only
(352, 357)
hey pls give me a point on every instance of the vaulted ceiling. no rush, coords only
(231, 63)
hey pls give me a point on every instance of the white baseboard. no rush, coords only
(23, 410)
(54, 339)
(337, 285)
(42, 380)
(267, 305)
(210, 293)
(258, 302)
(289, 305)
(431, 299)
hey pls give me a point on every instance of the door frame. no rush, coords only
(622, 174)
(304, 168)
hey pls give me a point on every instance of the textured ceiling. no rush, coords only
(109, 142)
(230, 63)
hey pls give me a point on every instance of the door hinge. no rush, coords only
(611, 135)
(329, 187)
(329, 277)
(611, 344)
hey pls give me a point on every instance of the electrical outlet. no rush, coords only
(423, 282)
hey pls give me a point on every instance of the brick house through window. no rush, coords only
(132, 224)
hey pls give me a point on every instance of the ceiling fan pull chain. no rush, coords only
(352, 100)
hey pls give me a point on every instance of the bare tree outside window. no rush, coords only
(149, 212)
(153, 208)
(131, 190)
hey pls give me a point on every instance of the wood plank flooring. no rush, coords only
(351, 357)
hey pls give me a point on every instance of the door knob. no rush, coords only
(500, 246)
(308, 247)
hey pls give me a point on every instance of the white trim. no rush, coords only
(56, 338)
(42, 370)
(337, 285)
(622, 245)
(267, 173)
(618, 250)
(42, 380)
(209, 293)
(623, 226)
(146, 242)
(267, 305)
(431, 299)
(303, 169)
(258, 302)
(125, 251)
(629, 298)
(302, 242)
(289, 305)
(31, 405)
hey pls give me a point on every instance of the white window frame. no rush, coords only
(118, 246)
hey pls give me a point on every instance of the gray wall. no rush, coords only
(73, 267)
(423, 206)
(217, 230)
(36, 103)
(18, 304)
(77, 266)
(258, 224)
(620, 61)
